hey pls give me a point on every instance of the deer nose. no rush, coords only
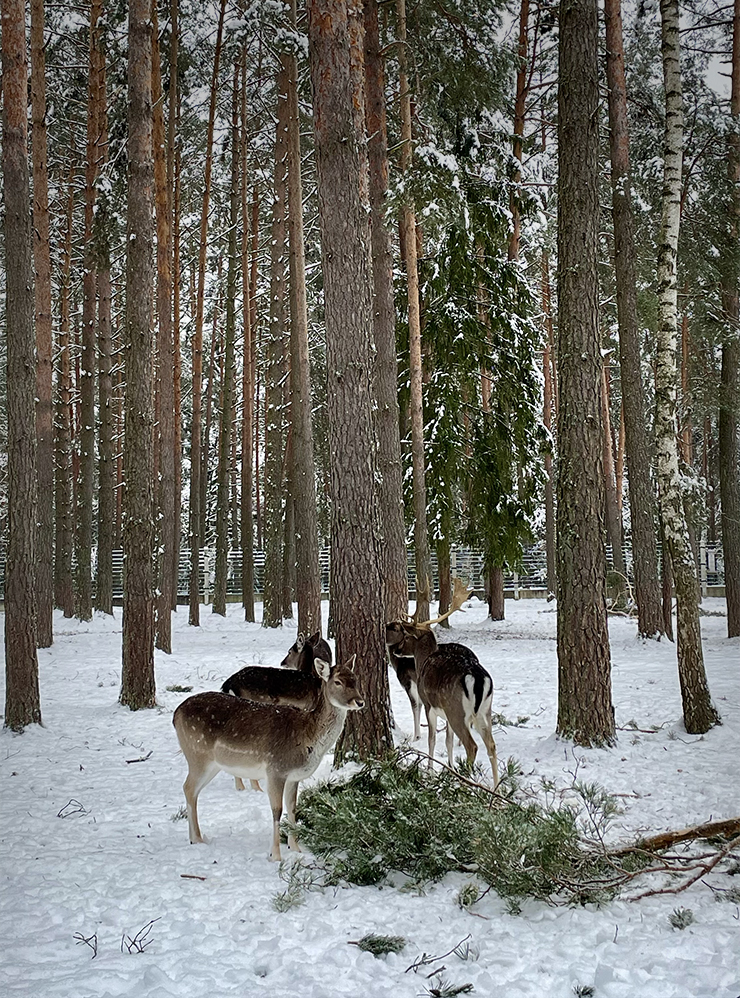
(359, 704)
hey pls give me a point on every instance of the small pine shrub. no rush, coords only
(681, 918)
(175, 688)
(181, 813)
(300, 880)
(583, 991)
(467, 895)
(446, 990)
(380, 945)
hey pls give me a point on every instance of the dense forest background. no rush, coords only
(313, 278)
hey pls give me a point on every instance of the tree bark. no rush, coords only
(227, 384)
(613, 500)
(585, 712)
(86, 480)
(106, 446)
(273, 509)
(303, 472)
(197, 346)
(698, 711)
(165, 485)
(42, 291)
(356, 585)
(496, 608)
(22, 704)
(173, 186)
(138, 687)
(390, 487)
(408, 239)
(548, 400)
(247, 426)
(638, 446)
(64, 532)
(729, 410)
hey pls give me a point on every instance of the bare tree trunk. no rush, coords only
(641, 494)
(215, 361)
(275, 373)
(42, 289)
(698, 710)
(356, 585)
(254, 250)
(408, 238)
(303, 472)
(729, 411)
(106, 448)
(496, 608)
(390, 488)
(197, 345)
(165, 485)
(585, 712)
(612, 500)
(86, 483)
(227, 384)
(173, 187)
(63, 585)
(247, 426)
(547, 366)
(22, 704)
(137, 686)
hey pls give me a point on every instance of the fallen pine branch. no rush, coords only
(142, 758)
(191, 876)
(707, 830)
(703, 871)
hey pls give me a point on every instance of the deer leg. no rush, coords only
(415, 709)
(432, 735)
(449, 743)
(197, 778)
(291, 795)
(239, 783)
(275, 789)
(484, 725)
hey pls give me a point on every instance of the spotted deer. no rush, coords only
(294, 658)
(451, 683)
(257, 741)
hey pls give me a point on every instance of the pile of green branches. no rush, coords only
(394, 816)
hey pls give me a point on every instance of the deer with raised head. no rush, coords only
(296, 660)
(451, 683)
(299, 687)
(255, 741)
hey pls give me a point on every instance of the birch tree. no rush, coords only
(698, 711)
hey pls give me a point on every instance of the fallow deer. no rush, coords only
(451, 683)
(294, 659)
(284, 745)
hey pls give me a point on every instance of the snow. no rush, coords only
(117, 860)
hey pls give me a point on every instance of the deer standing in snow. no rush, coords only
(451, 683)
(254, 741)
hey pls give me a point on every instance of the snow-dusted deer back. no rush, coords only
(257, 741)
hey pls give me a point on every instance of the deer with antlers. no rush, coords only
(255, 741)
(450, 681)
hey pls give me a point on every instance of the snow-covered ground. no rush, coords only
(91, 848)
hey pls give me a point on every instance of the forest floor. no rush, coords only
(92, 849)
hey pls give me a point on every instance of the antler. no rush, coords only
(459, 595)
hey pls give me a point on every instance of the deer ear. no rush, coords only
(351, 664)
(300, 641)
(322, 668)
(315, 638)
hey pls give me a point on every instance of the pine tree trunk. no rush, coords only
(275, 373)
(390, 488)
(138, 687)
(215, 361)
(197, 347)
(303, 472)
(585, 712)
(641, 494)
(548, 400)
(698, 710)
(106, 446)
(22, 705)
(63, 539)
(86, 480)
(729, 410)
(247, 426)
(173, 186)
(227, 385)
(613, 514)
(408, 239)
(496, 607)
(42, 290)
(165, 484)
(356, 585)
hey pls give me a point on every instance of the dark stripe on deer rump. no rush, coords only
(480, 685)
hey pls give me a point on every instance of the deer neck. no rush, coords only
(425, 645)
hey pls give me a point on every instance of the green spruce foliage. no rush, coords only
(395, 817)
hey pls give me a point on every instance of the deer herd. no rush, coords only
(276, 724)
